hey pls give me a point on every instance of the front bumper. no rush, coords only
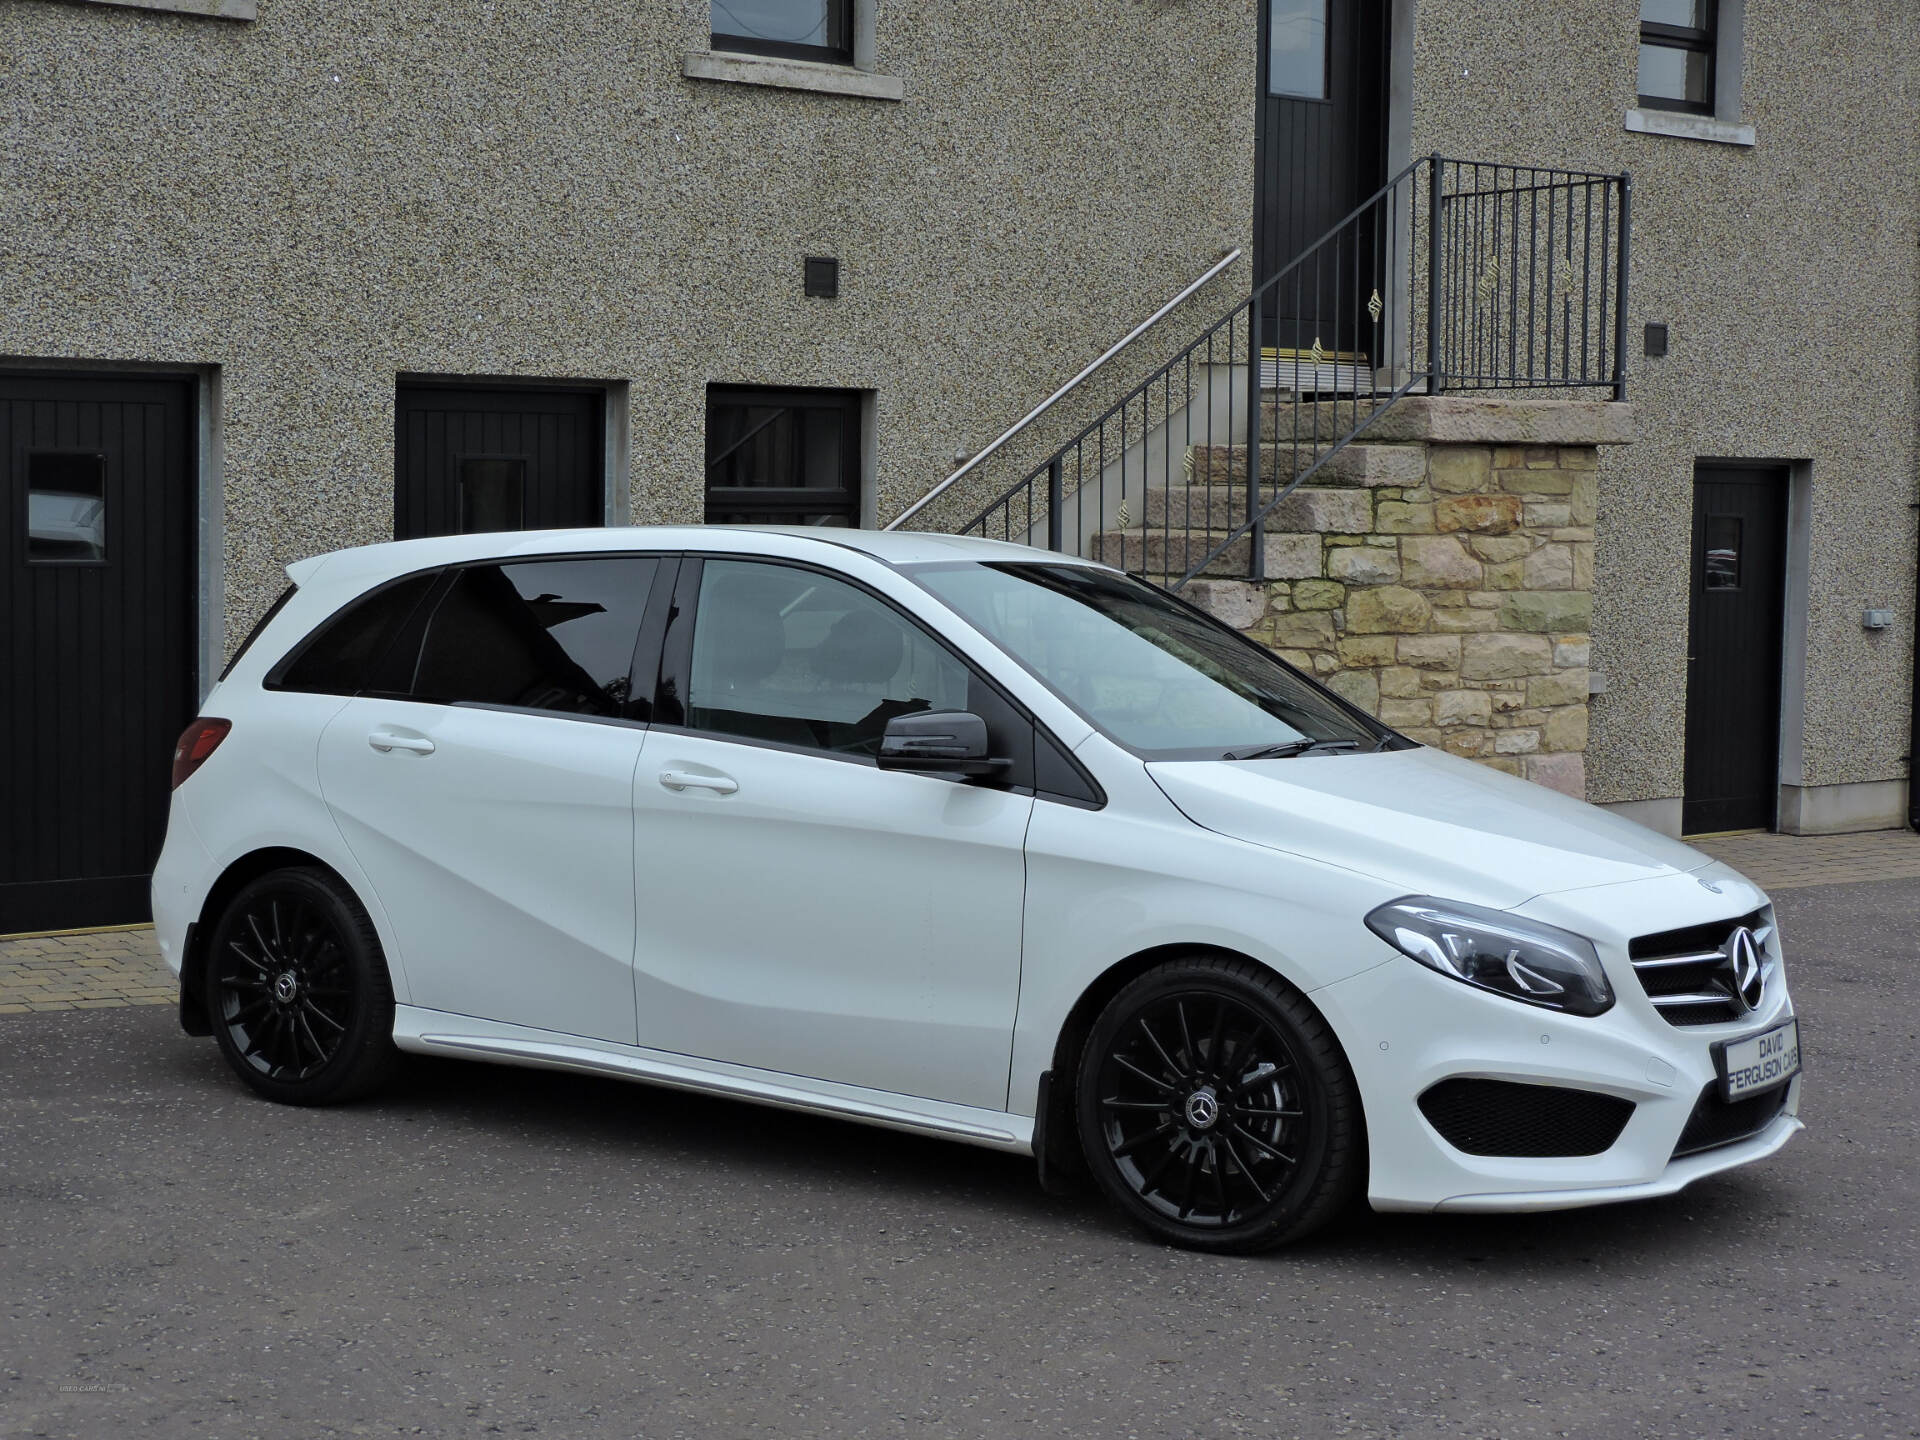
(1406, 1028)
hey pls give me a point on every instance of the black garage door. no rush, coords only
(97, 665)
(485, 458)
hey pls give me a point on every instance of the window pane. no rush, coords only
(493, 493)
(1723, 552)
(831, 520)
(792, 656)
(66, 507)
(548, 635)
(1667, 73)
(1297, 48)
(1688, 14)
(789, 22)
(782, 457)
(339, 660)
(1144, 668)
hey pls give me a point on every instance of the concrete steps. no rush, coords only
(1356, 464)
(1223, 508)
(1159, 554)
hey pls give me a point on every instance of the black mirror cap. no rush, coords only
(947, 742)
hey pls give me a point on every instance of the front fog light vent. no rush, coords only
(1504, 1117)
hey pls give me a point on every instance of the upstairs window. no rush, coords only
(1676, 54)
(797, 29)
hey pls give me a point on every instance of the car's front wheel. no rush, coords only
(297, 990)
(1217, 1109)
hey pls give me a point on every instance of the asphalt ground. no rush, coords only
(487, 1250)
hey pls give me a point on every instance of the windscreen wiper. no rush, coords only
(1292, 747)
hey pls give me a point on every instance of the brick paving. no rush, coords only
(107, 968)
(1787, 862)
(91, 971)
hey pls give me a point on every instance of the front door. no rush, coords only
(800, 909)
(497, 458)
(1320, 152)
(97, 664)
(1733, 660)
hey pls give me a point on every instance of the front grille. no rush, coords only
(1686, 973)
(1502, 1117)
(1716, 1122)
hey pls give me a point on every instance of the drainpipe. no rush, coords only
(1913, 734)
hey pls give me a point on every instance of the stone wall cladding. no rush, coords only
(1460, 612)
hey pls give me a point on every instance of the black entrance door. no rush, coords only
(97, 664)
(1321, 151)
(1734, 638)
(480, 458)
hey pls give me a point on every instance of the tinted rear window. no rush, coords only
(258, 625)
(545, 635)
(340, 657)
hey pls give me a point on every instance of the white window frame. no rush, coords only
(861, 79)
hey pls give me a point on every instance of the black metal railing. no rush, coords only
(1454, 276)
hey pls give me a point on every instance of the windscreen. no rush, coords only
(1154, 674)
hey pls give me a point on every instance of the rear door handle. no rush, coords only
(387, 740)
(693, 780)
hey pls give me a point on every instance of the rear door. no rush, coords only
(487, 795)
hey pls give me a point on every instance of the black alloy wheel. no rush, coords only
(1217, 1109)
(297, 990)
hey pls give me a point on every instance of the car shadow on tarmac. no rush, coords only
(619, 1122)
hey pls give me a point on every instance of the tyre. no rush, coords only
(1216, 1108)
(297, 990)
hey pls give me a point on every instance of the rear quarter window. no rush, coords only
(343, 654)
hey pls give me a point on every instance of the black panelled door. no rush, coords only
(97, 664)
(1321, 151)
(484, 458)
(1734, 649)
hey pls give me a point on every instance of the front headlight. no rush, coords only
(1492, 950)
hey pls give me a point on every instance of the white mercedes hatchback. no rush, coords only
(958, 838)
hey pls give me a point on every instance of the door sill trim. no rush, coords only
(437, 1032)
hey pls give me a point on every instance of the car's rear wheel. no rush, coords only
(1217, 1109)
(297, 990)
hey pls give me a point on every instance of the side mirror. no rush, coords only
(946, 742)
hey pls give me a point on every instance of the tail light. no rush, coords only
(197, 742)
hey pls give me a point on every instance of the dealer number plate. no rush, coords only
(1760, 1062)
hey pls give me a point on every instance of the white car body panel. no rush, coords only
(429, 1032)
(936, 1005)
(503, 859)
(896, 903)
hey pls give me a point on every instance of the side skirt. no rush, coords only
(436, 1032)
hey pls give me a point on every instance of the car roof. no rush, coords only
(890, 547)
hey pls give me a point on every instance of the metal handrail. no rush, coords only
(1047, 404)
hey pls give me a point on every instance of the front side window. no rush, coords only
(795, 657)
(1676, 54)
(800, 29)
(783, 457)
(544, 635)
(1153, 674)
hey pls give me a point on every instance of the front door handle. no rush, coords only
(693, 780)
(388, 740)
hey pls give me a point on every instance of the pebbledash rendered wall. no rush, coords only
(315, 201)
(1788, 273)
